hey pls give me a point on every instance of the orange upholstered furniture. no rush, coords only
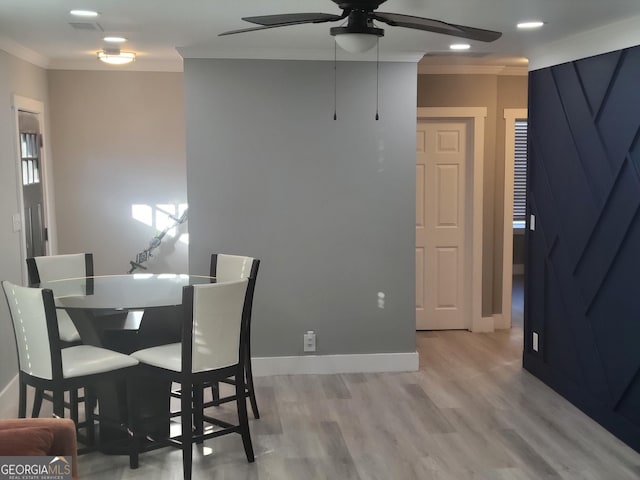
(39, 436)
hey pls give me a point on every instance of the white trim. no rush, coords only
(472, 70)
(321, 364)
(140, 65)
(510, 117)
(37, 108)
(23, 53)
(476, 115)
(608, 38)
(9, 399)
(485, 325)
(296, 54)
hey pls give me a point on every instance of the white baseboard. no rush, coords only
(500, 322)
(9, 399)
(265, 366)
(483, 325)
(518, 269)
(320, 364)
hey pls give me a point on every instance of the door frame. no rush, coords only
(34, 107)
(510, 117)
(475, 116)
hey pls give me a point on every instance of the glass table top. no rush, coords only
(122, 292)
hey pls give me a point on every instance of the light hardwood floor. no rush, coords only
(470, 412)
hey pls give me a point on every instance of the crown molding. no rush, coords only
(140, 65)
(471, 70)
(23, 53)
(296, 54)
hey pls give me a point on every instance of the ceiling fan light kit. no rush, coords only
(356, 42)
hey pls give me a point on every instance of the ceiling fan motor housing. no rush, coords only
(366, 5)
(358, 22)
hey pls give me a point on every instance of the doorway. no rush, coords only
(35, 233)
(32, 175)
(463, 260)
(441, 247)
(511, 115)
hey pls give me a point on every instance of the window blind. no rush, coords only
(520, 173)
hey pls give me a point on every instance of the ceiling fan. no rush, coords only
(360, 34)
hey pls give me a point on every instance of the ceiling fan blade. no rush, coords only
(253, 29)
(293, 19)
(437, 26)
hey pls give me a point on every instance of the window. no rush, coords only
(30, 153)
(520, 175)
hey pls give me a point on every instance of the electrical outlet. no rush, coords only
(535, 342)
(310, 341)
(532, 223)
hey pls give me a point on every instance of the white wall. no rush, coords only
(328, 206)
(21, 78)
(118, 139)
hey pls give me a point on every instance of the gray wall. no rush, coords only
(328, 206)
(21, 78)
(118, 138)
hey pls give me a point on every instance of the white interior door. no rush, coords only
(440, 225)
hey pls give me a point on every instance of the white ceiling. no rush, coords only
(161, 30)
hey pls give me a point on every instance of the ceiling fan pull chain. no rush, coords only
(377, 76)
(335, 79)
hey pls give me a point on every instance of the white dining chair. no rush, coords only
(235, 267)
(212, 349)
(56, 267)
(45, 365)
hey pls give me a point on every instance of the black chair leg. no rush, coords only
(198, 407)
(73, 405)
(215, 391)
(89, 417)
(135, 428)
(22, 399)
(58, 402)
(252, 393)
(243, 419)
(37, 403)
(187, 432)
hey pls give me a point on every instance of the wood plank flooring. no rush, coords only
(470, 412)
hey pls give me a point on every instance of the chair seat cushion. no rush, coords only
(88, 360)
(66, 328)
(165, 356)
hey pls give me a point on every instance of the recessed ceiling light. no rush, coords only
(84, 13)
(114, 39)
(530, 25)
(460, 46)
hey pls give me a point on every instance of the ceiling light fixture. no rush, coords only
(356, 42)
(359, 35)
(460, 46)
(113, 56)
(114, 39)
(530, 25)
(83, 13)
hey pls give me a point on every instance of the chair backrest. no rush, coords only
(35, 327)
(212, 330)
(56, 267)
(233, 267)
